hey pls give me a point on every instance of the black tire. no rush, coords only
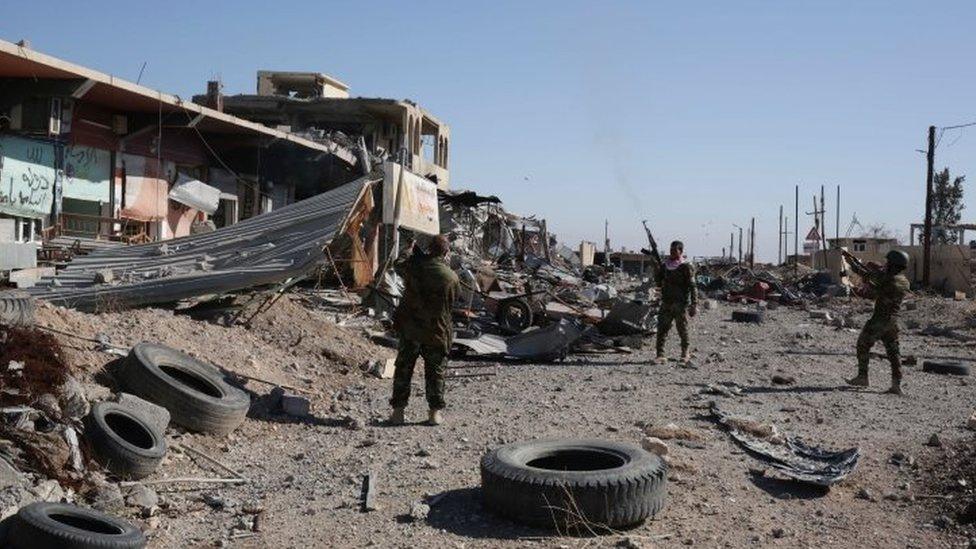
(16, 309)
(514, 315)
(45, 525)
(194, 392)
(755, 317)
(610, 484)
(945, 368)
(123, 441)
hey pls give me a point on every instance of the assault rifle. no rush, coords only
(653, 243)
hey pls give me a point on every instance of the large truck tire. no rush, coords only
(195, 393)
(46, 525)
(568, 483)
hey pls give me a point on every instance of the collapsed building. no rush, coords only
(318, 106)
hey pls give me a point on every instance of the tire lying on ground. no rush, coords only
(55, 525)
(194, 392)
(16, 309)
(561, 483)
(756, 317)
(123, 441)
(514, 314)
(946, 368)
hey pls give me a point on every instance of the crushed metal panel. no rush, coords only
(547, 343)
(794, 458)
(484, 346)
(628, 318)
(259, 251)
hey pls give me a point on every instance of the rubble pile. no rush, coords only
(525, 296)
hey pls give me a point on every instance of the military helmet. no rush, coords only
(897, 258)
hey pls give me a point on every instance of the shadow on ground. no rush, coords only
(460, 512)
(788, 489)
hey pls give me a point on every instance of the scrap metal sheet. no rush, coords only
(794, 458)
(258, 251)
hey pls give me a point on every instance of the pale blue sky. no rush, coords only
(694, 117)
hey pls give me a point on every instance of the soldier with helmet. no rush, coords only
(889, 287)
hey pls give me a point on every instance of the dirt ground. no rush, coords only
(306, 475)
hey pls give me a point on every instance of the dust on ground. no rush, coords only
(306, 474)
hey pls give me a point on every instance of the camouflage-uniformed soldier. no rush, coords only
(679, 299)
(423, 323)
(889, 288)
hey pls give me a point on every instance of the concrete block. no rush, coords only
(104, 276)
(155, 414)
(383, 369)
(18, 255)
(820, 315)
(27, 278)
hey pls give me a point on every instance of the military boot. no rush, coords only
(397, 417)
(685, 356)
(435, 417)
(861, 380)
(660, 358)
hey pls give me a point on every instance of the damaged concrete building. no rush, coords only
(319, 107)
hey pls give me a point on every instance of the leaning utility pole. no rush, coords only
(927, 234)
(779, 238)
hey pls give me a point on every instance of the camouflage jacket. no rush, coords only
(678, 286)
(889, 290)
(429, 290)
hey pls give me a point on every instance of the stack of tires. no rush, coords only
(196, 394)
(127, 441)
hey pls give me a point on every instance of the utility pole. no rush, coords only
(785, 238)
(796, 231)
(779, 238)
(752, 243)
(740, 242)
(927, 248)
(731, 245)
(823, 224)
(837, 221)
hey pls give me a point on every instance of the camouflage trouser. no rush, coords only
(672, 312)
(885, 330)
(435, 365)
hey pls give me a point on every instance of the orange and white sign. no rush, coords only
(409, 200)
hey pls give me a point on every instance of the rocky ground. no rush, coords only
(305, 475)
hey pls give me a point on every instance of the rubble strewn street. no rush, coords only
(302, 467)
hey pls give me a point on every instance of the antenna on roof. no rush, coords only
(141, 71)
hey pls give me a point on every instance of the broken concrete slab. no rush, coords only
(153, 413)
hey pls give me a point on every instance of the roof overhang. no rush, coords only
(101, 88)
